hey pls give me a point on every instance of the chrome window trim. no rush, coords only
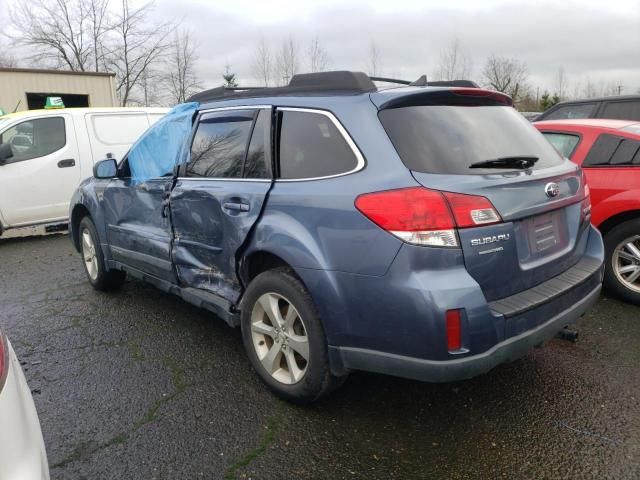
(224, 179)
(238, 107)
(360, 161)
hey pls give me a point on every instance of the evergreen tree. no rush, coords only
(547, 100)
(229, 77)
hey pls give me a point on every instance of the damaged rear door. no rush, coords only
(219, 195)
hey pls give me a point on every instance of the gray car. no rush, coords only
(425, 232)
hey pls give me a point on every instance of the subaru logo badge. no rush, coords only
(552, 189)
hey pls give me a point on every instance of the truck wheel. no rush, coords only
(284, 338)
(622, 270)
(93, 260)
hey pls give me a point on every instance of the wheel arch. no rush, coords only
(77, 214)
(320, 284)
(615, 220)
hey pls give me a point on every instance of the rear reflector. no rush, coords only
(421, 216)
(454, 330)
(4, 360)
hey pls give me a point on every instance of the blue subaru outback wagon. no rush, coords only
(428, 232)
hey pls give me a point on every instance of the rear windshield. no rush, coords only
(448, 139)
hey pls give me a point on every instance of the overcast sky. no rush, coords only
(592, 39)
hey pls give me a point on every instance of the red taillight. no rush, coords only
(454, 330)
(421, 216)
(4, 360)
(472, 210)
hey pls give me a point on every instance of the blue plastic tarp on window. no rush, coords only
(158, 150)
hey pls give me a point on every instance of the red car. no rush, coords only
(609, 152)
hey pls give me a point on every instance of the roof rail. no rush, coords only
(340, 82)
(337, 82)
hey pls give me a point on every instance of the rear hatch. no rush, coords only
(472, 142)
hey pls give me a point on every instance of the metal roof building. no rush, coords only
(27, 88)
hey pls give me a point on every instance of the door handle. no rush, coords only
(69, 162)
(236, 207)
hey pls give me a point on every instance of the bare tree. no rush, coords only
(180, 76)
(287, 61)
(454, 63)
(135, 47)
(263, 63)
(318, 57)
(507, 75)
(56, 30)
(7, 60)
(99, 25)
(561, 83)
(374, 60)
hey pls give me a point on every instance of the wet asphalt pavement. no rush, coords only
(139, 384)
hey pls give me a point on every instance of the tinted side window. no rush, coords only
(35, 138)
(312, 146)
(612, 150)
(564, 142)
(258, 163)
(625, 152)
(220, 143)
(621, 110)
(581, 110)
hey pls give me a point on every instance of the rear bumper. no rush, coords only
(459, 369)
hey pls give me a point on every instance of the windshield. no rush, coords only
(448, 139)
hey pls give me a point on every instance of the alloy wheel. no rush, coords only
(626, 263)
(280, 338)
(89, 254)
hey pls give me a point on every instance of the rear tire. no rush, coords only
(284, 338)
(622, 261)
(99, 276)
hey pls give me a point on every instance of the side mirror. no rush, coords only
(6, 152)
(105, 169)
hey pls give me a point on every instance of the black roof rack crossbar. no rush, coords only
(341, 82)
(390, 80)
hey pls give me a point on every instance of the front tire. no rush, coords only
(622, 270)
(284, 338)
(93, 259)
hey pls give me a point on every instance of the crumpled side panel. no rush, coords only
(157, 151)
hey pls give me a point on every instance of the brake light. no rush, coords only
(481, 92)
(454, 330)
(471, 210)
(421, 216)
(4, 360)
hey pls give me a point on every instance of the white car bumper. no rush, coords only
(22, 452)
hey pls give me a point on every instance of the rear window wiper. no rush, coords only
(520, 161)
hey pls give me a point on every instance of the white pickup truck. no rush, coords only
(45, 154)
